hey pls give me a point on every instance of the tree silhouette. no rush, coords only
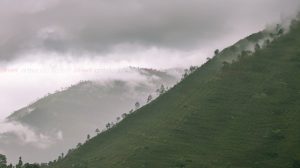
(149, 98)
(3, 161)
(137, 105)
(97, 131)
(162, 90)
(20, 163)
(27, 165)
(124, 115)
(257, 47)
(193, 68)
(108, 125)
(217, 51)
(185, 74)
(79, 145)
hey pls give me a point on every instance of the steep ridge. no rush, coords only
(241, 113)
(61, 120)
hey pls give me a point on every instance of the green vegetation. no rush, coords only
(239, 110)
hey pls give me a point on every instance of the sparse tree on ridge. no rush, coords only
(280, 32)
(70, 151)
(124, 115)
(108, 125)
(267, 43)
(193, 68)
(79, 145)
(149, 99)
(257, 47)
(118, 119)
(162, 89)
(88, 137)
(137, 105)
(217, 51)
(27, 165)
(3, 161)
(186, 73)
(20, 163)
(97, 131)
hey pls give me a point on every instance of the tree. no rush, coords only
(108, 125)
(279, 29)
(3, 161)
(217, 51)
(267, 43)
(162, 89)
(118, 119)
(193, 68)
(124, 115)
(20, 163)
(27, 165)
(88, 137)
(280, 32)
(185, 74)
(50, 163)
(70, 151)
(79, 145)
(97, 131)
(149, 98)
(257, 47)
(137, 105)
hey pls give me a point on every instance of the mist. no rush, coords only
(49, 45)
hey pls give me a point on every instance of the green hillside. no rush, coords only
(243, 114)
(85, 106)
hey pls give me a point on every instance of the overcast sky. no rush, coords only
(44, 35)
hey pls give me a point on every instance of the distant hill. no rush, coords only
(239, 110)
(60, 120)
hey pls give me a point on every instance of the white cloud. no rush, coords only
(26, 135)
(60, 135)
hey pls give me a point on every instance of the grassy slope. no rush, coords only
(244, 116)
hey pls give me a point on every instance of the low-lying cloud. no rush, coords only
(25, 135)
(26, 80)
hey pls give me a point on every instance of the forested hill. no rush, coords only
(239, 110)
(63, 119)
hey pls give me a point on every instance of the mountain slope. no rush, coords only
(59, 121)
(240, 115)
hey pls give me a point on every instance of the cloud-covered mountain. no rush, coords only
(57, 122)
